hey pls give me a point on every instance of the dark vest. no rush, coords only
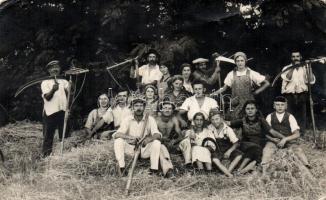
(253, 131)
(283, 126)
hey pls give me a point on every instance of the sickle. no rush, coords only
(321, 59)
(34, 82)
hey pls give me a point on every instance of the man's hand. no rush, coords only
(55, 86)
(147, 140)
(282, 143)
(227, 154)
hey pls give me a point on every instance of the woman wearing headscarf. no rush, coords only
(243, 82)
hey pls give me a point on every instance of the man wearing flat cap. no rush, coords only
(208, 76)
(150, 72)
(54, 94)
(130, 131)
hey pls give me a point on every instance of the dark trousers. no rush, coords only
(297, 106)
(51, 123)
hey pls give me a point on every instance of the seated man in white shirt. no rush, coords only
(54, 94)
(130, 132)
(295, 88)
(287, 131)
(197, 103)
(116, 113)
(150, 73)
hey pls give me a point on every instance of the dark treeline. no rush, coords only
(100, 32)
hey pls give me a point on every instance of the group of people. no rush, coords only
(179, 114)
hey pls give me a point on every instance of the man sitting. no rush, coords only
(197, 103)
(168, 125)
(130, 132)
(288, 132)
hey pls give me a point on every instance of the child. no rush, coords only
(192, 147)
(227, 142)
(288, 131)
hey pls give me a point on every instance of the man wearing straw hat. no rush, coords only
(130, 132)
(54, 94)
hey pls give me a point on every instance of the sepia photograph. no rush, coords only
(162, 99)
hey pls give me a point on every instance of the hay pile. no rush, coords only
(21, 144)
(89, 172)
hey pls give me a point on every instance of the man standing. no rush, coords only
(130, 132)
(295, 88)
(150, 72)
(207, 76)
(54, 94)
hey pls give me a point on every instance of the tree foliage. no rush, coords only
(99, 33)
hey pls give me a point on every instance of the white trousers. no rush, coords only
(185, 147)
(155, 151)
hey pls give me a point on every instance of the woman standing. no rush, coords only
(186, 74)
(243, 81)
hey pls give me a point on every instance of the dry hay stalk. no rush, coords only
(92, 160)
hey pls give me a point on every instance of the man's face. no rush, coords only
(167, 110)
(202, 65)
(280, 107)
(216, 120)
(251, 110)
(122, 97)
(54, 70)
(240, 62)
(199, 89)
(164, 69)
(199, 121)
(149, 93)
(177, 85)
(296, 57)
(138, 108)
(186, 71)
(152, 58)
(103, 101)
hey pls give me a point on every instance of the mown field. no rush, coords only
(89, 172)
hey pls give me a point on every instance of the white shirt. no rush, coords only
(191, 105)
(206, 133)
(130, 126)
(226, 131)
(59, 100)
(255, 77)
(150, 74)
(293, 123)
(298, 83)
(116, 115)
(188, 87)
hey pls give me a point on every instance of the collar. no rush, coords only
(253, 121)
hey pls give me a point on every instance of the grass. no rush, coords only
(89, 172)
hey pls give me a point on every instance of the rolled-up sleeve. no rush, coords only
(153, 126)
(293, 124)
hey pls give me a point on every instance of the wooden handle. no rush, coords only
(131, 172)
